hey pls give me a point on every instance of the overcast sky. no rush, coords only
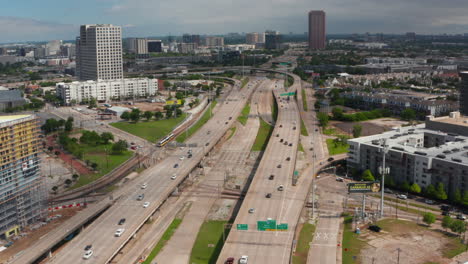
(24, 20)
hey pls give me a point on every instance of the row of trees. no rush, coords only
(52, 125)
(171, 111)
(456, 226)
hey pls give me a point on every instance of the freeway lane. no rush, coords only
(101, 233)
(283, 206)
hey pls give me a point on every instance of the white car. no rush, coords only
(144, 185)
(181, 157)
(174, 176)
(146, 204)
(243, 260)
(280, 188)
(88, 254)
(402, 196)
(251, 210)
(119, 232)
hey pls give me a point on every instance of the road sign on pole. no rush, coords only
(288, 94)
(269, 225)
(282, 227)
(242, 227)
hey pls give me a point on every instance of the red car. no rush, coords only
(229, 261)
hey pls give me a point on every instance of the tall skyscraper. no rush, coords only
(317, 30)
(99, 52)
(272, 40)
(251, 38)
(23, 197)
(464, 93)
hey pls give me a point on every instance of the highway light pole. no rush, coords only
(383, 170)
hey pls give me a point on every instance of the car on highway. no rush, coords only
(461, 217)
(243, 260)
(285, 143)
(174, 176)
(251, 210)
(176, 165)
(288, 158)
(280, 188)
(88, 247)
(133, 147)
(294, 128)
(402, 196)
(290, 144)
(119, 232)
(330, 159)
(339, 179)
(281, 140)
(140, 197)
(207, 143)
(226, 123)
(144, 185)
(277, 135)
(88, 254)
(316, 129)
(229, 261)
(281, 125)
(279, 166)
(429, 201)
(445, 207)
(181, 157)
(146, 204)
(189, 156)
(268, 195)
(122, 221)
(230, 118)
(271, 177)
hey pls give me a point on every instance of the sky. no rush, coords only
(33, 20)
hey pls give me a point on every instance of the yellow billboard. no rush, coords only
(173, 102)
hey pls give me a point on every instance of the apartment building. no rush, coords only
(214, 41)
(104, 91)
(23, 197)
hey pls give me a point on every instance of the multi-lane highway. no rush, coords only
(273, 177)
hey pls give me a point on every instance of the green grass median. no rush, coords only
(263, 135)
(244, 115)
(162, 242)
(206, 116)
(303, 244)
(209, 243)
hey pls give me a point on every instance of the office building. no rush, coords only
(261, 37)
(11, 99)
(154, 45)
(187, 38)
(317, 30)
(431, 153)
(464, 93)
(251, 38)
(99, 53)
(214, 41)
(411, 36)
(52, 48)
(23, 197)
(104, 91)
(272, 40)
(141, 46)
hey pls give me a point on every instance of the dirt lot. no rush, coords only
(370, 127)
(417, 244)
(144, 106)
(24, 242)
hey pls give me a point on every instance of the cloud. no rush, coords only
(23, 29)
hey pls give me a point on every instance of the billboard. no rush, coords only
(172, 102)
(363, 187)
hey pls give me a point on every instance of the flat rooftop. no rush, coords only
(9, 118)
(459, 120)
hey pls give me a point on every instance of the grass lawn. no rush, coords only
(263, 135)
(97, 154)
(150, 130)
(329, 131)
(302, 248)
(304, 100)
(304, 129)
(351, 246)
(244, 115)
(335, 149)
(206, 116)
(209, 243)
(165, 237)
(301, 148)
(245, 81)
(233, 131)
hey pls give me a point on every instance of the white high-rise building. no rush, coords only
(53, 47)
(99, 53)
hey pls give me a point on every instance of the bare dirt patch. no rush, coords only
(368, 129)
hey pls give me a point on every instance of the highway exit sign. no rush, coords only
(288, 94)
(269, 225)
(282, 227)
(242, 227)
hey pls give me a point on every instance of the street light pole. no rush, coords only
(383, 171)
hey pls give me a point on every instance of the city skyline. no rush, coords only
(36, 23)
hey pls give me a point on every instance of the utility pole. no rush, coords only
(383, 170)
(398, 259)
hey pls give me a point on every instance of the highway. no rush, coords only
(159, 186)
(283, 206)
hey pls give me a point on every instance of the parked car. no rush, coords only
(174, 176)
(339, 179)
(144, 185)
(461, 217)
(281, 140)
(280, 188)
(445, 207)
(268, 195)
(122, 221)
(176, 165)
(429, 201)
(88, 247)
(288, 158)
(271, 177)
(330, 159)
(251, 210)
(146, 204)
(279, 166)
(290, 144)
(140, 197)
(229, 261)
(375, 228)
(277, 135)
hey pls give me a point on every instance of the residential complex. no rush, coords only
(464, 93)
(23, 197)
(317, 30)
(99, 53)
(103, 91)
(424, 154)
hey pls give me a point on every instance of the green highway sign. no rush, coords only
(242, 227)
(282, 227)
(288, 94)
(269, 225)
(296, 173)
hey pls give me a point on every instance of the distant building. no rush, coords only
(251, 38)
(272, 40)
(10, 99)
(154, 45)
(411, 36)
(464, 93)
(187, 47)
(99, 53)
(261, 37)
(104, 91)
(118, 110)
(214, 41)
(317, 30)
(22, 189)
(53, 47)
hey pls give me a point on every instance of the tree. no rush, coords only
(92, 102)
(457, 197)
(415, 188)
(440, 192)
(431, 191)
(135, 115)
(446, 222)
(119, 146)
(458, 226)
(69, 125)
(90, 138)
(166, 83)
(357, 130)
(106, 137)
(465, 198)
(429, 218)
(178, 112)
(50, 148)
(323, 119)
(68, 182)
(75, 176)
(408, 114)
(54, 189)
(367, 176)
(148, 115)
(337, 113)
(169, 113)
(94, 165)
(125, 116)
(158, 115)
(405, 186)
(179, 95)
